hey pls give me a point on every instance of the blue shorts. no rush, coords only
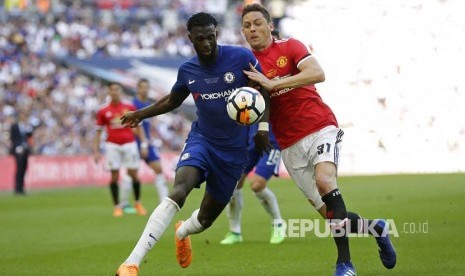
(220, 167)
(152, 153)
(265, 166)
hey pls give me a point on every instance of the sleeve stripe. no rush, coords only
(304, 58)
(256, 63)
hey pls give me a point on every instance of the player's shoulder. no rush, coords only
(103, 107)
(128, 103)
(189, 65)
(135, 100)
(287, 42)
(235, 51)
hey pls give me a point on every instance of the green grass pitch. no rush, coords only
(72, 232)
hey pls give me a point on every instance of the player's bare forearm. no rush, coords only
(140, 132)
(164, 105)
(310, 73)
(98, 133)
(97, 155)
(160, 107)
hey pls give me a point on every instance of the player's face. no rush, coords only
(115, 92)
(203, 39)
(143, 89)
(257, 30)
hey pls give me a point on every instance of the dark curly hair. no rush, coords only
(201, 19)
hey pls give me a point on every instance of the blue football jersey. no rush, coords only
(145, 123)
(210, 86)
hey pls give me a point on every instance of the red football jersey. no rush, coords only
(295, 112)
(109, 116)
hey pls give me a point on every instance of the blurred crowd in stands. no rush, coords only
(61, 102)
(382, 68)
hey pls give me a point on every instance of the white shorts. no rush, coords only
(301, 158)
(125, 155)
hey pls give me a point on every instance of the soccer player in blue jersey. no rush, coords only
(152, 159)
(216, 148)
(266, 166)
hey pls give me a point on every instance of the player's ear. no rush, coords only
(190, 37)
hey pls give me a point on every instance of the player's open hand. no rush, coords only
(130, 119)
(262, 142)
(258, 77)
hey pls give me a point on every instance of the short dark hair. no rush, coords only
(142, 80)
(259, 8)
(110, 83)
(275, 33)
(201, 19)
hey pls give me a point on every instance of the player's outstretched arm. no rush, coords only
(97, 154)
(310, 73)
(256, 76)
(140, 132)
(164, 105)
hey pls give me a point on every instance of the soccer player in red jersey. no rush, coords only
(306, 130)
(120, 147)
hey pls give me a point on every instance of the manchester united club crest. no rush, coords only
(282, 61)
(229, 77)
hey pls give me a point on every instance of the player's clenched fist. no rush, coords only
(130, 119)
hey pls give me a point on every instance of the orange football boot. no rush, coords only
(140, 210)
(117, 212)
(127, 270)
(183, 248)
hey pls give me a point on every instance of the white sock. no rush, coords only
(269, 202)
(161, 186)
(234, 211)
(126, 188)
(156, 226)
(190, 226)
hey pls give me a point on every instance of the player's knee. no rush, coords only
(241, 181)
(156, 166)
(258, 186)
(325, 183)
(133, 175)
(179, 196)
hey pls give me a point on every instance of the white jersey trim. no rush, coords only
(302, 60)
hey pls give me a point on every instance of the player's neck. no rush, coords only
(266, 45)
(211, 60)
(114, 102)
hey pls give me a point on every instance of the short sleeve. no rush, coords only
(100, 119)
(252, 60)
(180, 84)
(297, 50)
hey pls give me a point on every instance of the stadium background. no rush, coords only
(394, 77)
